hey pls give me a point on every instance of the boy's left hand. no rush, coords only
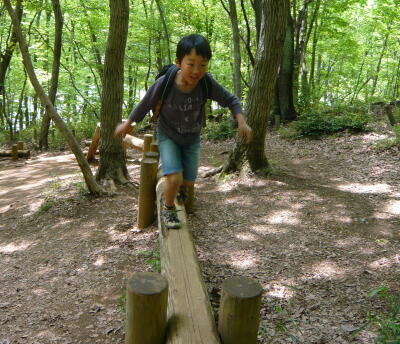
(244, 129)
(245, 132)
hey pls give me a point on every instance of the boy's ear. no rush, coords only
(177, 62)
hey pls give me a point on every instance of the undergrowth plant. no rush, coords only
(387, 322)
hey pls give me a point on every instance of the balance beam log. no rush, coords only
(146, 308)
(21, 154)
(20, 145)
(147, 194)
(133, 142)
(239, 311)
(190, 316)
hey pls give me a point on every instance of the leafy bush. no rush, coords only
(218, 131)
(315, 124)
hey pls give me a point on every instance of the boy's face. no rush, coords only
(193, 67)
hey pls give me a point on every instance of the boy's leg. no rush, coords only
(173, 182)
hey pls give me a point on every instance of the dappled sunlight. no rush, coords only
(279, 290)
(246, 236)
(267, 229)
(325, 269)
(284, 217)
(373, 137)
(100, 261)
(242, 260)
(385, 263)
(15, 247)
(365, 188)
(40, 291)
(242, 200)
(392, 207)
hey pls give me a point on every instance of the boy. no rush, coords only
(182, 117)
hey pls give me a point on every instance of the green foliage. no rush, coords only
(315, 124)
(152, 258)
(219, 131)
(387, 322)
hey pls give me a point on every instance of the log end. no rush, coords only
(242, 287)
(147, 283)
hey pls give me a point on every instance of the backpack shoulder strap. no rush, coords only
(165, 88)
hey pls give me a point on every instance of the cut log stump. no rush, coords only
(239, 311)
(146, 308)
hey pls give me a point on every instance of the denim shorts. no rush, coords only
(176, 158)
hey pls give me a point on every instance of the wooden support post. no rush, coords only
(190, 200)
(147, 192)
(389, 113)
(190, 316)
(239, 311)
(95, 143)
(20, 145)
(154, 147)
(14, 152)
(152, 155)
(146, 308)
(148, 139)
(277, 120)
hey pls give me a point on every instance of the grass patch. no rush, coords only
(386, 322)
(152, 257)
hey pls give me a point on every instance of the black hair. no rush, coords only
(193, 41)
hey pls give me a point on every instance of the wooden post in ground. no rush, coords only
(152, 155)
(239, 311)
(95, 143)
(190, 316)
(20, 145)
(147, 192)
(14, 152)
(190, 200)
(148, 139)
(154, 147)
(146, 308)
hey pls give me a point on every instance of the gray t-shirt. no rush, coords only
(182, 114)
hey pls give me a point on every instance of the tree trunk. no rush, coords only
(257, 7)
(112, 159)
(44, 132)
(378, 66)
(268, 58)
(284, 93)
(73, 144)
(166, 34)
(236, 49)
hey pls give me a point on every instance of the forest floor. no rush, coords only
(319, 234)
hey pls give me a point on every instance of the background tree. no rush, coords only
(112, 160)
(268, 58)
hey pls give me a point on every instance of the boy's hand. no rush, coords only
(244, 129)
(123, 128)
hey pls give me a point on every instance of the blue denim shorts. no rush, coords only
(176, 158)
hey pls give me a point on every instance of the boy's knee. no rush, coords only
(175, 178)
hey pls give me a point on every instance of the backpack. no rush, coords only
(170, 72)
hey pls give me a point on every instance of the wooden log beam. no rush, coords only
(190, 316)
(21, 153)
(133, 142)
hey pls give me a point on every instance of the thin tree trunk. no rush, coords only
(378, 66)
(283, 103)
(93, 187)
(112, 160)
(247, 42)
(237, 59)
(268, 58)
(166, 33)
(44, 132)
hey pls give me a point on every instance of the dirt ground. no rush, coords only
(319, 234)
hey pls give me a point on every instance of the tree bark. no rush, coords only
(268, 58)
(44, 132)
(93, 187)
(112, 159)
(284, 105)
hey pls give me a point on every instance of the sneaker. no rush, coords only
(182, 195)
(170, 218)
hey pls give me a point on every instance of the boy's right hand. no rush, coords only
(123, 128)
